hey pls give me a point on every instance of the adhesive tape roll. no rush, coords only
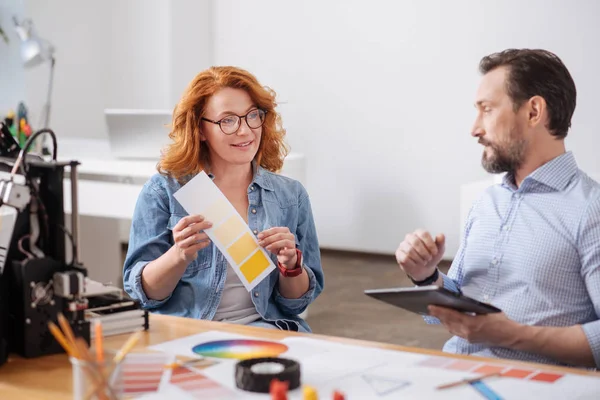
(256, 374)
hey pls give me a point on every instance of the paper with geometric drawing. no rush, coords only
(229, 232)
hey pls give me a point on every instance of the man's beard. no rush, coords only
(504, 158)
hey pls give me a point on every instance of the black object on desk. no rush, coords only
(417, 299)
(33, 251)
(9, 147)
(37, 278)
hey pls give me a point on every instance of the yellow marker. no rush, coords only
(98, 339)
(126, 348)
(60, 338)
(310, 393)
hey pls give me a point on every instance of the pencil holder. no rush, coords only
(93, 380)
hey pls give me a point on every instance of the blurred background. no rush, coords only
(376, 96)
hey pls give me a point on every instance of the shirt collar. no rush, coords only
(556, 173)
(261, 177)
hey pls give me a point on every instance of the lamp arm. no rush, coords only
(47, 105)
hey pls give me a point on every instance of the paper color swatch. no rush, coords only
(229, 232)
(484, 368)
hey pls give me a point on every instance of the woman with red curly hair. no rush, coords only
(227, 126)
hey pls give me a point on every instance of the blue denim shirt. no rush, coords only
(274, 200)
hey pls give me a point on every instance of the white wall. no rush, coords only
(116, 54)
(11, 70)
(191, 42)
(377, 94)
(379, 97)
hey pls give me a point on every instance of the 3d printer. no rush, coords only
(37, 281)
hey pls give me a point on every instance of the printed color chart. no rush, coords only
(229, 232)
(142, 373)
(198, 385)
(482, 368)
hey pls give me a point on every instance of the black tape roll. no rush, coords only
(256, 374)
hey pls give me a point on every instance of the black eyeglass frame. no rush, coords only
(240, 117)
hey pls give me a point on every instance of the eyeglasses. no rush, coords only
(231, 123)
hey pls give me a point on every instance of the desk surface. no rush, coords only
(49, 377)
(97, 160)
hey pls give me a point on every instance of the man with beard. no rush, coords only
(531, 244)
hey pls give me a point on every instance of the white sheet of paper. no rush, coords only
(229, 232)
(367, 373)
(8, 217)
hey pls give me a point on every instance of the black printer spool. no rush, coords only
(256, 374)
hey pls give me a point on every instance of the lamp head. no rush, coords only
(34, 50)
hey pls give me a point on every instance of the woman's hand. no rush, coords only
(281, 242)
(189, 238)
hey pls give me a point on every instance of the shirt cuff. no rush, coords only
(449, 284)
(592, 333)
(136, 290)
(297, 306)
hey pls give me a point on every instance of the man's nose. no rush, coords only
(477, 128)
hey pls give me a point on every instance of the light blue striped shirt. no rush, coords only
(534, 252)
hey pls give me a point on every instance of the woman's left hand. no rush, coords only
(281, 242)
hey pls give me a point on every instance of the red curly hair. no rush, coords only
(188, 155)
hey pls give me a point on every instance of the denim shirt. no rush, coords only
(274, 200)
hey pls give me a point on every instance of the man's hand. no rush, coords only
(494, 329)
(419, 254)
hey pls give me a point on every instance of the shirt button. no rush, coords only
(254, 211)
(486, 297)
(252, 187)
(494, 261)
(255, 232)
(255, 294)
(507, 228)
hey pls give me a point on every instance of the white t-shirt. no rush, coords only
(236, 304)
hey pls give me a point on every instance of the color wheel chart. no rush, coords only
(229, 232)
(240, 349)
(485, 368)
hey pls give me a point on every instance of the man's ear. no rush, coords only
(536, 111)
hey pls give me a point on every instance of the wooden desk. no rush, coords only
(49, 377)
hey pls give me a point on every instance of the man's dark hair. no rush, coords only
(537, 73)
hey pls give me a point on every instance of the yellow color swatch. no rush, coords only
(229, 230)
(218, 211)
(242, 248)
(254, 266)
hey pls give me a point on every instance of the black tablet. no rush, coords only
(416, 299)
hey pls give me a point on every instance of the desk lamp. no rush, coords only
(36, 51)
